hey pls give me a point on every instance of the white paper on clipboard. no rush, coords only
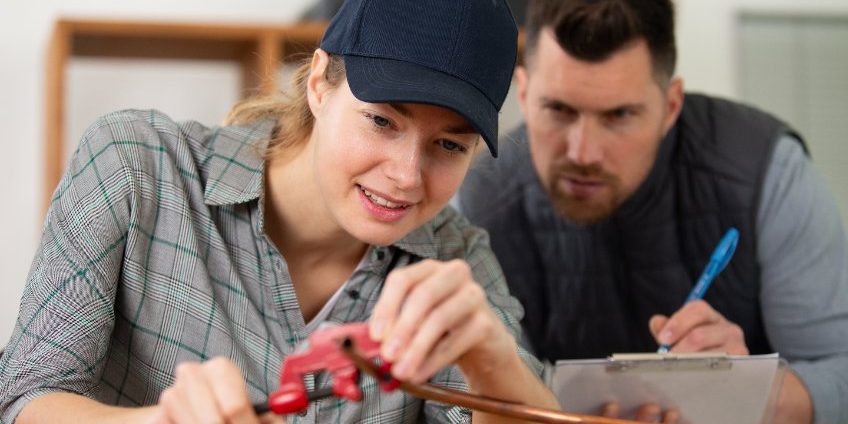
(705, 388)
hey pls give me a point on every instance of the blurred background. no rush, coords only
(785, 56)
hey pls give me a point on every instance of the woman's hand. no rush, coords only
(209, 392)
(432, 314)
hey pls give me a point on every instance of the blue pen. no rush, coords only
(721, 256)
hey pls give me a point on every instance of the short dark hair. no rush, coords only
(592, 30)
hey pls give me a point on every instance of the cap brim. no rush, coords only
(378, 80)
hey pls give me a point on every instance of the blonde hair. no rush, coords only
(289, 107)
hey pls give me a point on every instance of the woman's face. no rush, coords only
(384, 169)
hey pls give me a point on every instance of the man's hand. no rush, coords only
(648, 413)
(697, 327)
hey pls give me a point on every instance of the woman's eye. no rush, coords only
(380, 121)
(453, 146)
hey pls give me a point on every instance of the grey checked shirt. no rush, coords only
(154, 253)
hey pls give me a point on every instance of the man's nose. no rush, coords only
(583, 147)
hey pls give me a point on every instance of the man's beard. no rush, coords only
(584, 211)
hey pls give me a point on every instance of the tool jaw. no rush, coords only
(325, 353)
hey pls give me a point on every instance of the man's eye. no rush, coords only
(620, 113)
(560, 109)
(556, 107)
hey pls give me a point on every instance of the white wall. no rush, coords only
(711, 59)
(706, 30)
(706, 37)
(24, 30)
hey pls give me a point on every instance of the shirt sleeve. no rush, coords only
(66, 314)
(487, 272)
(804, 290)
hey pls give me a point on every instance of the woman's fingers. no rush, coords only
(447, 317)
(459, 340)
(436, 329)
(189, 400)
(431, 314)
(428, 293)
(229, 391)
(271, 418)
(201, 396)
(212, 392)
(409, 296)
(396, 288)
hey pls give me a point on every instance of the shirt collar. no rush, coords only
(422, 241)
(235, 163)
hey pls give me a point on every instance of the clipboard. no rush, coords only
(705, 388)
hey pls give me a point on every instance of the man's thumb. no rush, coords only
(656, 323)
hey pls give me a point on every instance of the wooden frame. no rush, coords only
(258, 48)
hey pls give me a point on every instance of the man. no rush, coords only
(608, 202)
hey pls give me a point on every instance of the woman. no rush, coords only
(181, 264)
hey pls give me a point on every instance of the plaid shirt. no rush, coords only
(154, 253)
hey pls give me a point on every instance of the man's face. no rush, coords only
(594, 128)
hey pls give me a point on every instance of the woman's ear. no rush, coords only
(317, 86)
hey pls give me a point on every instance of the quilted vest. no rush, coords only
(589, 291)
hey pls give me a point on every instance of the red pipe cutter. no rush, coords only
(342, 350)
(324, 353)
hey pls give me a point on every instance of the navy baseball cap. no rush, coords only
(457, 54)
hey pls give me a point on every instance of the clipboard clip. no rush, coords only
(659, 362)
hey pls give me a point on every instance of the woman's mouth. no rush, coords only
(382, 208)
(382, 201)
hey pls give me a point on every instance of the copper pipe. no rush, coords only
(477, 402)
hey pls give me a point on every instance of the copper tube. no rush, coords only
(477, 402)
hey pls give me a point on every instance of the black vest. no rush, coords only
(588, 291)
